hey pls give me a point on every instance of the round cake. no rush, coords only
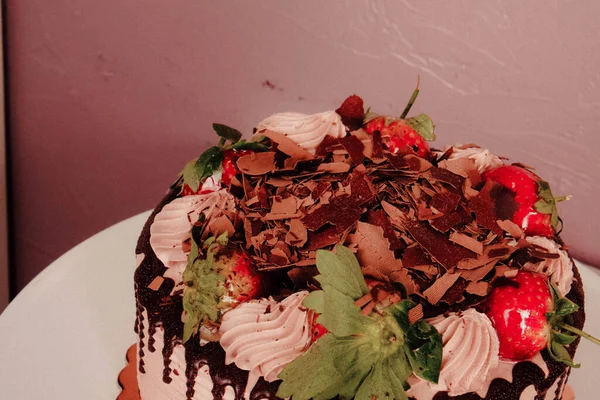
(337, 255)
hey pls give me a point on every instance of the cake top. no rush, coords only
(337, 252)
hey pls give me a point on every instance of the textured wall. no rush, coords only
(109, 99)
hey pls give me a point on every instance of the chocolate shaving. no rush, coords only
(257, 163)
(340, 212)
(511, 228)
(415, 314)
(478, 288)
(445, 202)
(156, 283)
(456, 293)
(354, 147)
(439, 288)
(438, 245)
(334, 167)
(379, 218)
(478, 273)
(467, 242)
(287, 146)
(297, 234)
(373, 248)
(377, 146)
(221, 224)
(446, 222)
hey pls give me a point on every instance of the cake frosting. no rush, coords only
(336, 254)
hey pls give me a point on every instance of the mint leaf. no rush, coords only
(423, 125)
(341, 271)
(227, 132)
(196, 171)
(203, 287)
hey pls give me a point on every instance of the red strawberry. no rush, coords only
(519, 315)
(352, 112)
(399, 134)
(242, 281)
(528, 315)
(536, 213)
(230, 168)
(318, 331)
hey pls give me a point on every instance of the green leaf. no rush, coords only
(423, 125)
(340, 315)
(563, 338)
(196, 171)
(564, 307)
(384, 382)
(547, 203)
(203, 286)
(245, 145)
(341, 271)
(227, 132)
(423, 343)
(560, 354)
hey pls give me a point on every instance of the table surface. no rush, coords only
(66, 334)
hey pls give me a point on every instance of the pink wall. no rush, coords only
(109, 99)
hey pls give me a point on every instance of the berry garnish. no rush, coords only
(402, 132)
(529, 315)
(352, 112)
(242, 282)
(536, 213)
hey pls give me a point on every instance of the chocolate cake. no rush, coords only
(336, 255)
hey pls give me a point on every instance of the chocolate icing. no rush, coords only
(165, 311)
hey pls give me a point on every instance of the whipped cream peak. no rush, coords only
(306, 130)
(263, 336)
(172, 226)
(559, 269)
(470, 352)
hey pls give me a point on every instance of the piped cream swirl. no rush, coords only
(307, 131)
(559, 270)
(263, 336)
(172, 226)
(470, 353)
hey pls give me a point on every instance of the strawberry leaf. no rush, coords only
(227, 132)
(423, 125)
(564, 307)
(546, 203)
(559, 353)
(362, 357)
(245, 145)
(203, 288)
(196, 171)
(341, 271)
(563, 338)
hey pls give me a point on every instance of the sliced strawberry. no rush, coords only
(536, 213)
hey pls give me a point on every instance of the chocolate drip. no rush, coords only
(222, 375)
(141, 344)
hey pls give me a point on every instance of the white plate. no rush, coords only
(65, 335)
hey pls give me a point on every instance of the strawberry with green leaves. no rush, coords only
(397, 133)
(530, 315)
(222, 157)
(536, 213)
